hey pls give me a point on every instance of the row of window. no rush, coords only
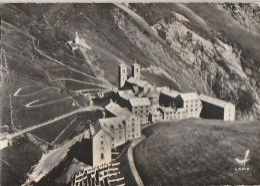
(141, 111)
(196, 105)
(191, 101)
(141, 107)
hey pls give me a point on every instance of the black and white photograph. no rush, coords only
(130, 93)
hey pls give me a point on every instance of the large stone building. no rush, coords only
(214, 108)
(167, 97)
(96, 142)
(138, 86)
(190, 102)
(122, 124)
(152, 104)
(140, 107)
(116, 127)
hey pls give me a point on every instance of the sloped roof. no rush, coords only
(214, 101)
(112, 123)
(126, 94)
(170, 92)
(138, 82)
(116, 110)
(135, 102)
(94, 129)
(189, 96)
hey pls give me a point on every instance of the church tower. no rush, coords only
(122, 75)
(136, 71)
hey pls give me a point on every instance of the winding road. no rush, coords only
(130, 156)
(131, 160)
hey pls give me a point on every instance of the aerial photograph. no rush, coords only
(135, 94)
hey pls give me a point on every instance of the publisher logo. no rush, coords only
(242, 162)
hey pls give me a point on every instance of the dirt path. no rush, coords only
(85, 109)
(130, 156)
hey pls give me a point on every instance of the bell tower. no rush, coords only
(122, 75)
(136, 70)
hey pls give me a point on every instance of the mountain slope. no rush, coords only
(184, 46)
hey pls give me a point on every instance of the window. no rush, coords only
(102, 148)
(102, 142)
(102, 156)
(133, 130)
(102, 136)
(133, 135)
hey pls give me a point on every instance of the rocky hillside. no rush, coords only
(198, 56)
(208, 48)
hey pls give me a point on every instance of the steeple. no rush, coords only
(136, 70)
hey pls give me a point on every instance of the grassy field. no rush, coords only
(25, 154)
(199, 152)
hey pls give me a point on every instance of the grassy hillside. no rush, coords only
(199, 152)
(179, 46)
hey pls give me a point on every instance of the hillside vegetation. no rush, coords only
(208, 48)
(200, 152)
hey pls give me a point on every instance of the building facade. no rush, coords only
(101, 148)
(190, 102)
(131, 121)
(214, 108)
(140, 107)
